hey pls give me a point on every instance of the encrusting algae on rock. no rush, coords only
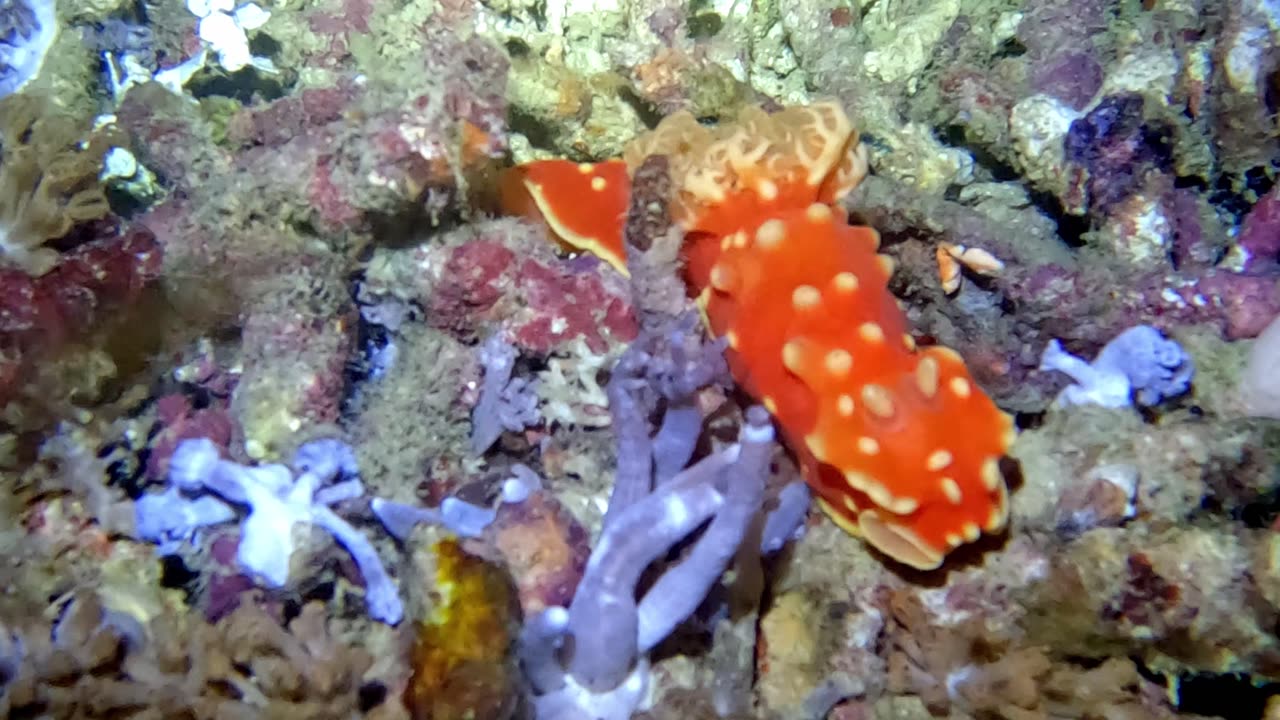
(801, 297)
(460, 657)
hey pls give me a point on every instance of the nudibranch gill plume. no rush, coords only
(898, 442)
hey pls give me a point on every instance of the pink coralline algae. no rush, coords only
(571, 304)
(1101, 305)
(977, 97)
(1193, 246)
(1072, 77)
(354, 160)
(172, 139)
(342, 158)
(1241, 305)
(352, 15)
(472, 282)
(1058, 37)
(294, 372)
(547, 301)
(403, 154)
(40, 314)
(179, 420)
(1149, 600)
(278, 122)
(1259, 237)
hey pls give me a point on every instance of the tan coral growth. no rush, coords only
(967, 664)
(978, 668)
(49, 168)
(98, 663)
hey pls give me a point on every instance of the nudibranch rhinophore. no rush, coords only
(899, 443)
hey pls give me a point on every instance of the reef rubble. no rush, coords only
(350, 366)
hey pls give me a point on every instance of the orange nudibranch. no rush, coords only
(898, 442)
(583, 204)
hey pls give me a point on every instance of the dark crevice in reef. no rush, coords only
(1230, 696)
(1236, 195)
(1071, 228)
(1000, 171)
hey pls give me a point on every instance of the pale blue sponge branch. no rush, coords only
(1139, 365)
(27, 30)
(277, 498)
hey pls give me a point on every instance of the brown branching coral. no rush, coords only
(98, 663)
(981, 671)
(49, 170)
(965, 664)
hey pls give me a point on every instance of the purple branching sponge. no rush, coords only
(459, 517)
(506, 403)
(27, 29)
(1138, 365)
(278, 497)
(602, 673)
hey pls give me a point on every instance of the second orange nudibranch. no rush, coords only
(898, 442)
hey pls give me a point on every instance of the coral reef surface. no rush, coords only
(658, 359)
